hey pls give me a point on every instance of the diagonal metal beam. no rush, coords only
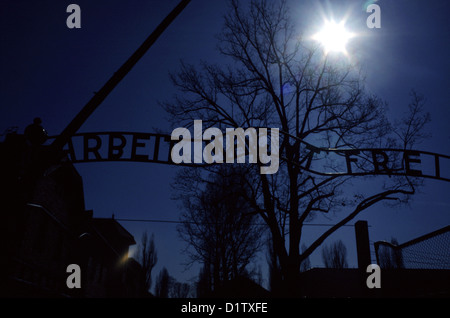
(100, 96)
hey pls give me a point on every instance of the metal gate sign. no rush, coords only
(157, 148)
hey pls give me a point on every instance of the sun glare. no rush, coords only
(334, 37)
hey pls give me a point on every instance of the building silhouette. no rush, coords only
(45, 227)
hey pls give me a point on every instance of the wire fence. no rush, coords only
(431, 251)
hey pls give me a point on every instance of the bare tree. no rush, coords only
(277, 78)
(306, 263)
(335, 256)
(275, 277)
(390, 256)
(163, 284)
(409, 129)
(179, 290)
(203, 284)
(218, 223)
(147, 257)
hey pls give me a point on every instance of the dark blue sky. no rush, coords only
(51, 71)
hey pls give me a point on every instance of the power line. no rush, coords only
(204, 223)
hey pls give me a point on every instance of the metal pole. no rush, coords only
(362, 245)
(98, 98)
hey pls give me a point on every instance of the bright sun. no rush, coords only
(334, 37)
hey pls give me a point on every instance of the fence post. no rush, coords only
(363, 254)
(362, 245)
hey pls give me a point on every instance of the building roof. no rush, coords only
(111, 230)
